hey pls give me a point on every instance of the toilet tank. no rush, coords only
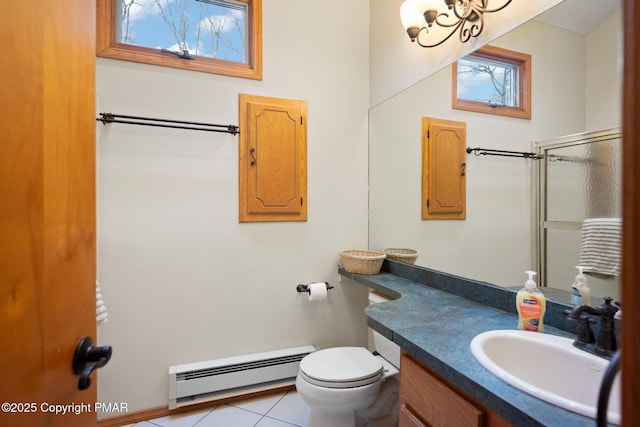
(383, 346)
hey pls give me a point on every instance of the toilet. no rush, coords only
(350, 386)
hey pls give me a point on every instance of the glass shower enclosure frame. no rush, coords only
(577, 177)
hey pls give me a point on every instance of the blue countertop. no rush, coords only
(434, 317)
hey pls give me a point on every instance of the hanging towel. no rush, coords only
(601, 243)
(101, 309)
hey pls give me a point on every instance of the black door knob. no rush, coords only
(87, 358)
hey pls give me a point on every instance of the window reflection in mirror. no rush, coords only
(493, 80)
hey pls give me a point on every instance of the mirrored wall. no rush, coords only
(576, 88)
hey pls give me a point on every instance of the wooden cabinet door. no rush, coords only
(443, 169)
(427, 399)
(406, 418)
(433, 401)
(47, 210)
(273, 157)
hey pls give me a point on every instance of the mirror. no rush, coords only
(576, 88)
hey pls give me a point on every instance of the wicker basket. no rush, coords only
(400, 254)
(362, 262)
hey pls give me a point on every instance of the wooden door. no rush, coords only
(47, 209)
(443, 169)
(631, 217)
(273, 159)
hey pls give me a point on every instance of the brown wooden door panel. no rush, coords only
(433, 401)
(47, 213)
(446, 186)
(429, 399)
(443, 169)
(406, 418)
(273, 183)
(630, 346)
(273, 159)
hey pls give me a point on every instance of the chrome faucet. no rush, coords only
(606, 344)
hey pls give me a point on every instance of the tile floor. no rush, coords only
(284, 409)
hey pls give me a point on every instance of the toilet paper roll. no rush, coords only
(317, 291)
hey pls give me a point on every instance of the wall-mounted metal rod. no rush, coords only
(504, 153)
(107, 118)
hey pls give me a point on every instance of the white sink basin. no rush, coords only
(548, 367)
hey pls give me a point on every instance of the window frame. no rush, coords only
(521, 60)
(107, 47)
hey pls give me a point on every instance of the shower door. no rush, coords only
(579, 177)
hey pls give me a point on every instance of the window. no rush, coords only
(213, 36)
(494, 81)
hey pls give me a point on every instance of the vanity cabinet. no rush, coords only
(273, 159)
(428, 400)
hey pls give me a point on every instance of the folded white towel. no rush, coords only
(101, 309)
(601, 246)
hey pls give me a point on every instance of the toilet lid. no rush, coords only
(341, 367)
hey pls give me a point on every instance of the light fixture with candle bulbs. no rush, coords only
(463, 16)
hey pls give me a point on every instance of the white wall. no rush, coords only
(183, 280)
(604, 74)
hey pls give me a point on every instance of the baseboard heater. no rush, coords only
(234, 376)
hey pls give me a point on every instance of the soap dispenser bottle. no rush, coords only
(580, 291)
(531, 305)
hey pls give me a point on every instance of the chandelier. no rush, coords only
(463, 16)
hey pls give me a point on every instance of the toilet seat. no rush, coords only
(341, 367)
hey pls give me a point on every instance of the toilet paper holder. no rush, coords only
(305, 288)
